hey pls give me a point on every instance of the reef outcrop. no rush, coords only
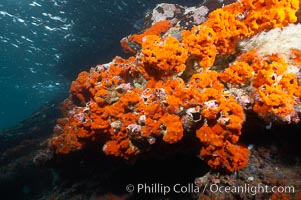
(196, 80)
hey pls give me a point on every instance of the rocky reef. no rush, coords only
(220, 82)
(193, 75)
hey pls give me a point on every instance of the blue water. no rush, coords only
(44, 44)
(31, 35)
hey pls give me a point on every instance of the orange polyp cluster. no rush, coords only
(79, 86)
(173, 126)
(220, 33)
(200, 44)
(162, 94)
(296, 56)
(238, 73)
(267, 71)
(224, 119)
(94, 95)
(162, 58)
(228, 26)
(276, 90)
(271, 13)
(290, 85)
(116, 148)
(206, 79)
(273, 100)
(66, 133)
(157, 29)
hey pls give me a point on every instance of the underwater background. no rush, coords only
(46, 43)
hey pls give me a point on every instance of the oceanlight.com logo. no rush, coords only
(250, 189)
(191, 188)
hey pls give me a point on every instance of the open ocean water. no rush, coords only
(31, 37)
(44, 44)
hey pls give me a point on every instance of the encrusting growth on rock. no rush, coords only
(173, 88)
